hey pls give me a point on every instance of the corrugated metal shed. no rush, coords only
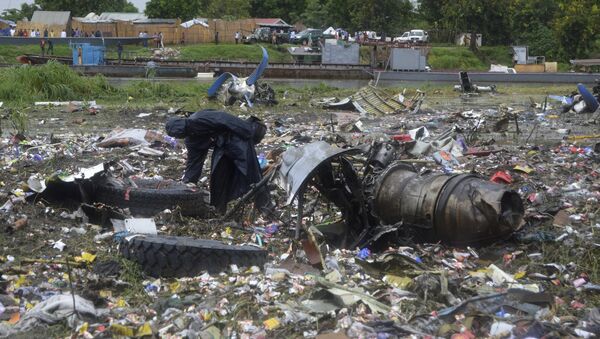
(156, 21)
(51, 17)
(7, 22)
(117, 16)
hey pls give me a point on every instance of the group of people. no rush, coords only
(47, 47)
(157, 39)
(35, 33)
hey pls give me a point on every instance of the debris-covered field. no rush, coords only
(542, 280)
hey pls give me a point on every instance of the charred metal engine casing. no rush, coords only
(456, 209)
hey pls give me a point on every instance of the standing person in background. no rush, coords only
(216, 38)
(237, 37)
(63, 34)
(52, 33)
(160, 39)
(119, 50)
(50, 47)
(45, 32)
(43, 46)
(155, 39)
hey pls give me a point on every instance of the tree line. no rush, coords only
(558, 29)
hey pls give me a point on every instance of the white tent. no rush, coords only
(329, 31)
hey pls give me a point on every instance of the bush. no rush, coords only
(541, 41)
(454, 58)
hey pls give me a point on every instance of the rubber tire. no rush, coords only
(149, 198)
(169, 256)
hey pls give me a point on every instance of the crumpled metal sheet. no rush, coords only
(372, 101)
(299, 165)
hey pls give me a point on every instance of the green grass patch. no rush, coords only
(9, 53)
(52, 81)
(496, 55)
(131, 273)
(234, 52)
(454, 58)
(21, 85)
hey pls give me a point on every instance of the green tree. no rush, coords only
(385, 16)
(541, 41)
(130, 8)
(182, 9)
(432, 11)
(490, 18)
(84, 7)
(289, 10)
(16, 14)
(531, 25)
(315, 14)
(528, 14)
(189, 9)
(577, 26)
(338, 13)
(231, 9)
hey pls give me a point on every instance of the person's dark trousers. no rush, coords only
(197, 151)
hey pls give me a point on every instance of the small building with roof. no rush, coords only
(53, 21)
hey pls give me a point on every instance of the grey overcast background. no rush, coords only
(6, 4)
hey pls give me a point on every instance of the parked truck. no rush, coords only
(265, 34)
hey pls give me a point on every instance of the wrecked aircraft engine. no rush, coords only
(231, 89)
(457, 209)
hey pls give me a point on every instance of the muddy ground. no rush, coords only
(559, 258)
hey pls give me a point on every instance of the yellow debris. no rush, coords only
(396, 281)
(144, 330)
(271, 324)
(121, 330)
